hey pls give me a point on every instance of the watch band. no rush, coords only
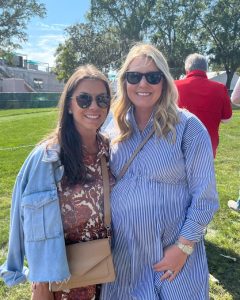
(187, 249)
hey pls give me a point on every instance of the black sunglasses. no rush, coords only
(151, 77)
(84, 100)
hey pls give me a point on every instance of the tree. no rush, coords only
(175, 31)
(221, 24)
(66, 60)
(14, 16)
(176, 27)
(130, 20)
(113, 26)
(86, 45)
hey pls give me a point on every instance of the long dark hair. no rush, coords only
(66, 134)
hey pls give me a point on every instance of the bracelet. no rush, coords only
(187, 249)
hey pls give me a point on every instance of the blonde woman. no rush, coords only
(164, 202)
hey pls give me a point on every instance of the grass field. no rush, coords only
(21, 129)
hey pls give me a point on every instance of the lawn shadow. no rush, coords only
(226, 270)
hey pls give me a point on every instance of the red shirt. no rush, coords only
(207, 99)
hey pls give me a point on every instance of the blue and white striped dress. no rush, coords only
(169, 190)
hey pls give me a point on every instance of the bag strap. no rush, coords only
(106, 193)
(139, 147)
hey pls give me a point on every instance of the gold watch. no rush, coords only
(187, 249)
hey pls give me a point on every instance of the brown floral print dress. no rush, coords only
(82, 215)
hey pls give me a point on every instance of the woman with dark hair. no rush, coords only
(58, 194)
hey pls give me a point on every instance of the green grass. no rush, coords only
(14, 112)
(21, 129)
(19, 132)
(223, 236)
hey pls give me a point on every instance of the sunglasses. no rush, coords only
(151, 77)
(84, 100)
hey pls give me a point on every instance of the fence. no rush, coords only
(28, 100)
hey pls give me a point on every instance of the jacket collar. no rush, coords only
(51, 153)
(198, 73)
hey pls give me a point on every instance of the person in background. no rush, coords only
(164, 202)
(235, 98)
(58, 194)
(235, 205)
(205, 98)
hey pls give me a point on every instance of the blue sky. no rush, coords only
(45, 34)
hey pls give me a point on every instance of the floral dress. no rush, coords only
(82, 215)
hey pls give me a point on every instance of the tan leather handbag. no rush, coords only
(91, 262)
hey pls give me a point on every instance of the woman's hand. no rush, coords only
(40, 291)
(172, 262)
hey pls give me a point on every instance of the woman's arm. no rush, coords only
(12, 271)
(204, 199)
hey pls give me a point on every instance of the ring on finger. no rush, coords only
(170, 272)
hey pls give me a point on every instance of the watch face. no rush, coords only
(188, 249)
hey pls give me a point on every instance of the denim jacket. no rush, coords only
(36, 231)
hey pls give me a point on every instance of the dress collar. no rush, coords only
(103, 145)
(131, 118)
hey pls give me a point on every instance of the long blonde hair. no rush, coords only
(166, 115)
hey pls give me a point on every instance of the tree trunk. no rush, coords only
(229, 78)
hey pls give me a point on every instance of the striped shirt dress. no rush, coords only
(168, 191)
